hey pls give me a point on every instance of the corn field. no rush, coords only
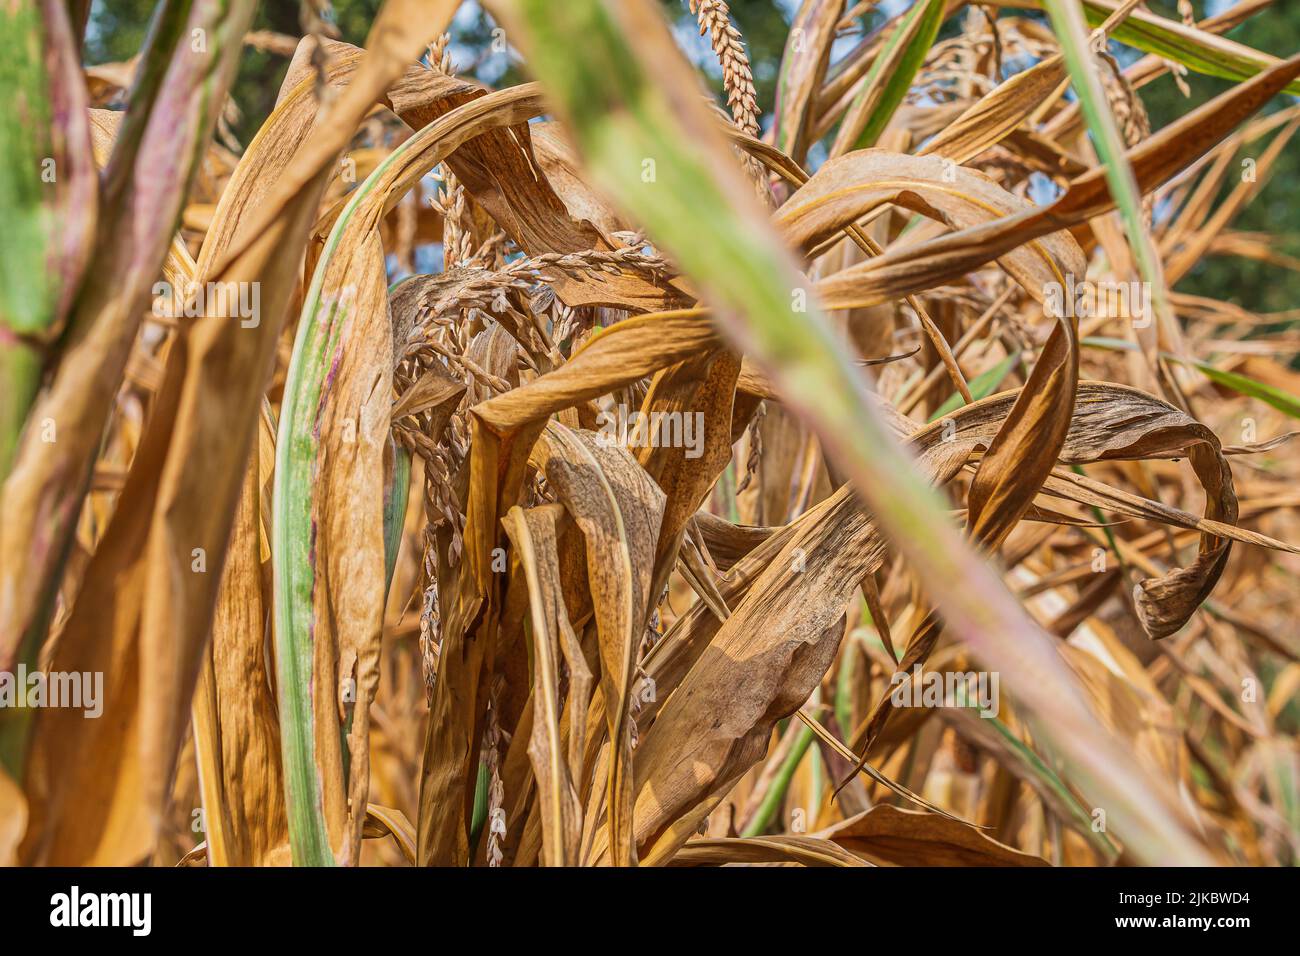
(596, 471)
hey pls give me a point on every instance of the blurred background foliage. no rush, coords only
(117, 29)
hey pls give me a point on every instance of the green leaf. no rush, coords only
(981, 386)
(898, 63)
(297, 452)
(1282, 400)
(1199, 51)
(1278, 398)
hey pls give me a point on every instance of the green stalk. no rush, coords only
(1049, 779)
(396, 495)
(775, 796)
(1072, 34)
(844, 683)
(478, 816)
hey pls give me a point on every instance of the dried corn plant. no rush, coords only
(836, 481)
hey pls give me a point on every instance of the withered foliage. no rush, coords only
(850, 487)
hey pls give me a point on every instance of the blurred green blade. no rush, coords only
(647, 138)
(1068, 25)
(183, 75)
(48, 190)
